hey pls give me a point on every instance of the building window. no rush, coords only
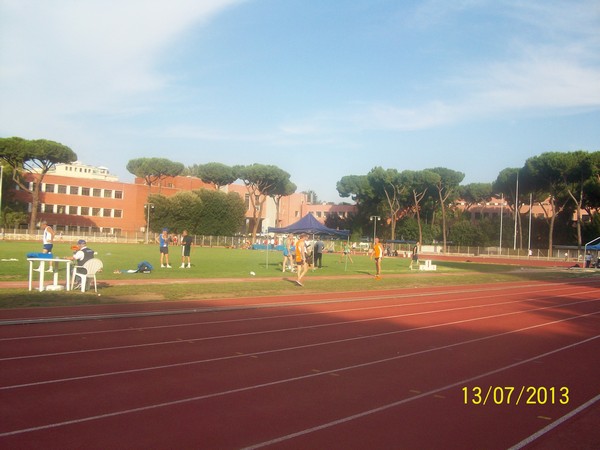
(106, 212)
(97, 192)
(107, 193)
(96, 212)
(49, 188)
(74, 190)
(118, 213)
(85, 191)
(72, 210)
(118, 194)
(85, 211)
(62, 189)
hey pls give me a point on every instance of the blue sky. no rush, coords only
(322, 89)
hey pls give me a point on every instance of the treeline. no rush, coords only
(416, 205)
(204, 216)
(202, 212)
(423, 205)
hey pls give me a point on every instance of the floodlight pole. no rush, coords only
(1, 178)
(530, 208)
(501, 217)
(516, 212)
(374, 219)
(148, 206)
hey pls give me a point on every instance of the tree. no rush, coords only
(154, 170)
(466, 233)
(447, 187)
(391, 185)
(222, 214)
(475, 194)
(544, 173)
(506, 183)
(261, 181)
(419, 183)
(33, 159)
(356, 187)
(592, 187)
(203, 211)
(578, 169)
(284, 188)
(214, 173)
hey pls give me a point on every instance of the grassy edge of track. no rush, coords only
(189, 290)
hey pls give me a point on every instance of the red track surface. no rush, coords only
(363, 370)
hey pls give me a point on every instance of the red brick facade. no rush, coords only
(87, 204)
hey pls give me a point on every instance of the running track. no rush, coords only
(368, 370)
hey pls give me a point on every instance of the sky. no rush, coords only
(321, 89)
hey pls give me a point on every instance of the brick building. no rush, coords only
(86, 199)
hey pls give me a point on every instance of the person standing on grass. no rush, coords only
(186, 249)
(415, 256)
(319, 247)
(346, 252)
(47, 240)
(301, 262)
(287, 253)
(588, 259)
(163, 242)
(378, 256)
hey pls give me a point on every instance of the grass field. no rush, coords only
(221, 272)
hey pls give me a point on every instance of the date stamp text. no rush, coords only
(516, 395)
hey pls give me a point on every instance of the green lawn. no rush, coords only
(234, 267)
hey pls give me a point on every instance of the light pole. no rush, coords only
(501, 225)
(148, 207)
(1, 177)
(374, 219)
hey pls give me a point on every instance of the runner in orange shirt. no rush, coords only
(378, 255)
(301, 263)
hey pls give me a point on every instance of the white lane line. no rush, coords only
(257, 307)
(555, 424)
(407, 400)
(340, 323)
(313, 375)
(273, 351)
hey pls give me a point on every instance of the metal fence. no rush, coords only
(241, 241)
(123, 238)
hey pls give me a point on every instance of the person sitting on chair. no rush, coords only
(82, 255)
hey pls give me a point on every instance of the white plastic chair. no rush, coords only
(92, 266)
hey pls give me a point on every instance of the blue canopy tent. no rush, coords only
(592, 247)
(309, 225)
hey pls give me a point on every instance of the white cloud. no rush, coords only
(553, 68)
(66, 57)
